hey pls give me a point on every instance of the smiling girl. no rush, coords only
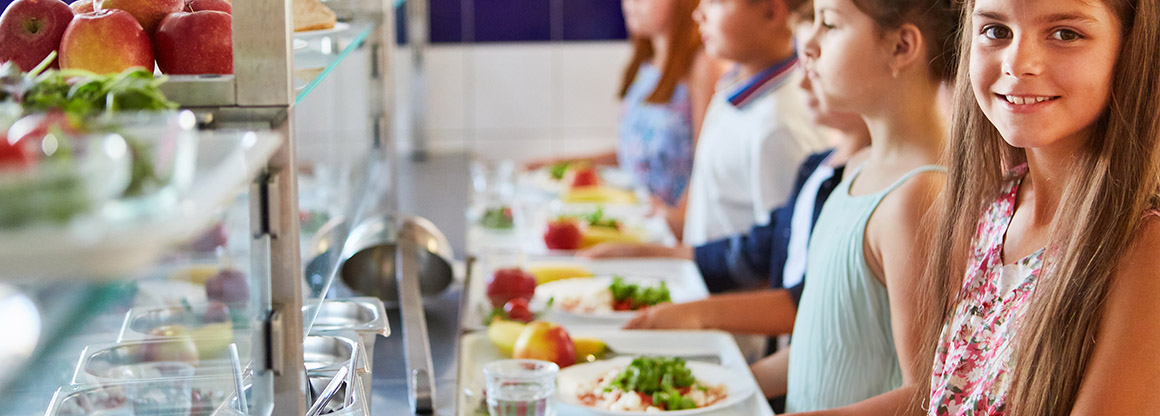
(1047, 303)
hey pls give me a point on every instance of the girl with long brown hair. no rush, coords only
(1048, 303)
(664, 93)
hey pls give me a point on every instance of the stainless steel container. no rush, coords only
(326, 353)
(349, 400)
(365, 316)
(368, 266)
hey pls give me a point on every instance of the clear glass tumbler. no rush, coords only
(520, 387)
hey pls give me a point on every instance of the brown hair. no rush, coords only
(1116, 178)
(684, 42)
(936, 19)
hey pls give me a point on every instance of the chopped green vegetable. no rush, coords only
(558, 170)
(660, 377)
(636, 296)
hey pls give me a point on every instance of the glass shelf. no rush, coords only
(317, 53)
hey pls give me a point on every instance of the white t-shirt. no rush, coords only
(747, 158)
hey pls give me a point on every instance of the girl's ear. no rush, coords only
(909, 48)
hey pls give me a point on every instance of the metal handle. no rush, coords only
(421, 382)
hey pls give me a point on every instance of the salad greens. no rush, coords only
(76, 91)
(497, 218)
(559, 170)
(661, 377)
(628, 296)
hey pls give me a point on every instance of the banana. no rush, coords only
(596, 235)
(589, 349)
(599, 194)
(545, 273)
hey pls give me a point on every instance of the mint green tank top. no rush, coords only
(843, 345)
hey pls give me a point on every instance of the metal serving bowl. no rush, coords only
(368, 267)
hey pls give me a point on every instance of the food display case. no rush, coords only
(191, 298)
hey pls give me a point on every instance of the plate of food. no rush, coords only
(614, 297)
(566, 230)
(646, 385)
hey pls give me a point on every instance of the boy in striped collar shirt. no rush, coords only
(757, 129)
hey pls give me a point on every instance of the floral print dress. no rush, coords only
(656, 140)
(971, 374)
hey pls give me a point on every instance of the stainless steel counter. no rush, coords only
(436, 189)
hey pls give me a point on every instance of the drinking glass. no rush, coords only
(520, 387)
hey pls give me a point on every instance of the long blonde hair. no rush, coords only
(1115, 179)
(683, 43)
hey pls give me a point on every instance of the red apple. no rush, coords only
(11, 155)
(106, 41)
(195, 43)
(32, 29)
(219, 5)
(545, 341)
(81, 6)
(147, 12)
(507, 284)
(585, 177)
(563, 234)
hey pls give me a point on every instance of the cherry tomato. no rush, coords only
(517, 310)
(12, 155)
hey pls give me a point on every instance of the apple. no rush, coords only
(563, 234)
(507, 284)
(81, 6)
(229, 286)
(585, 177)
(503, 334)
(516, 309)
(200, 42)
(169, 343)
(32, 29)
(147, 12)
(219, 5)
(105, 41)
(546, 341)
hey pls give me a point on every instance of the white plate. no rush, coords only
(681, 276)
(567, 382)
(475, 350)
(338, 27)
(568, 289)
(540, 180)
(299, 44)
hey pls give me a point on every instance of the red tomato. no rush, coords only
(11, 155)
(517, 310)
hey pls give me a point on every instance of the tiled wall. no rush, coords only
(518, 78)
(517, 100)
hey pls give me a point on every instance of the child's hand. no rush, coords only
(666, 316)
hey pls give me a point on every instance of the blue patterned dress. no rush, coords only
(656, 140)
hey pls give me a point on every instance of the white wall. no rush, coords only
(521, 100)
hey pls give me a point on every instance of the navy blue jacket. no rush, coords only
(746, 259)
